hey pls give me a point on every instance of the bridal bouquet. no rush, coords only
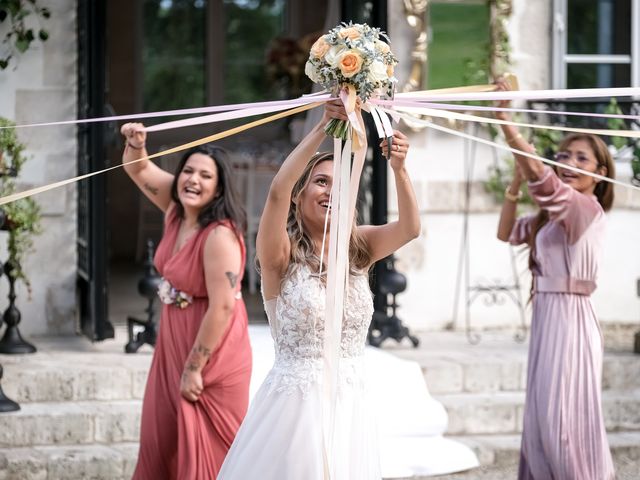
(353, 56)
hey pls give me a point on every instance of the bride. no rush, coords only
(281, 437)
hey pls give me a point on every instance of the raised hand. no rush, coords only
(134, 134)
(502, 86)
(399, 149)
(334, 110)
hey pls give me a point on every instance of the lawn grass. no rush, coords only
(459, 32)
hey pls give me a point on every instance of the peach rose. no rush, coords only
(320, 48)
(351, 33)
(350, 63)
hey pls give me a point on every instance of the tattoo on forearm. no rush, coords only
(192, 367)
(199, 356)
(150, 188)
(233, 278)
(204, 351)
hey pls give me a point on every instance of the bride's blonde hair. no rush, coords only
(302, 248)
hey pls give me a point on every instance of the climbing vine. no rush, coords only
(20, 34)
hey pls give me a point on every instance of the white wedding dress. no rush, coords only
(281, 437)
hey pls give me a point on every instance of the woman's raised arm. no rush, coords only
(383, 240)
(272, 244)
(154, 182)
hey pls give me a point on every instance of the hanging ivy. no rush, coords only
(20, 34)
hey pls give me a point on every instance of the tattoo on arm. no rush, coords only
(192, 367)
(149, 188)
(199, 356)
(233, 278)
(204, 351)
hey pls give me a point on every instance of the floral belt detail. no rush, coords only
(172, 296)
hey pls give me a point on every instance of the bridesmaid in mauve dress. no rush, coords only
(197, 390)
(564, 436)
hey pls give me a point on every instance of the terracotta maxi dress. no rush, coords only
(180, 439)
(564, 436)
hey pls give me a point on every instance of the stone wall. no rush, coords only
(41, 86)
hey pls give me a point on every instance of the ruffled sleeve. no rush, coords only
(521, 230)
(575, 211)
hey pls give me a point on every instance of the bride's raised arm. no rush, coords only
(383, 240)
(272, 243)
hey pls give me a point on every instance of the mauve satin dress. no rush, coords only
(179, 439)
(564, 436)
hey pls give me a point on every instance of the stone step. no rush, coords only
(502, 412)
(74, 377)
(494, 373)
(85, 462)
(57, 377)
(499, 456)
(71, 423)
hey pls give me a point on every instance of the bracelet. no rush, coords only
(129, 144)
(511, 197)
(510, 139)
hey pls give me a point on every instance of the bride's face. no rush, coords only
(314, 199)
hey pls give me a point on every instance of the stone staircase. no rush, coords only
(81, 405)
(80, 411)
(482, 388)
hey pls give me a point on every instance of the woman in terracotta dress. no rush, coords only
(198, 386)
(564, 436)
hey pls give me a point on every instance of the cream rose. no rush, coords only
(390, 71)
(311, 72)
(382, 46)
(350, 63)
(320, 48)
(332, 57)
(378, 72)
(352, 33)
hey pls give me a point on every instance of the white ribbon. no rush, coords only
(516, 151)
(344, 192)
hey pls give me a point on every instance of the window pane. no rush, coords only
(173, 54)
(251, 25)
(458, 48)
(599, 27)
(604, 75)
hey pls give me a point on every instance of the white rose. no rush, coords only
(377, 72)
(312, 72)
(332, 57)
(164, 292)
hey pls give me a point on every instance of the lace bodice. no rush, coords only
(296, 318)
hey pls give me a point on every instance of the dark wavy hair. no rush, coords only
(226, 204)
